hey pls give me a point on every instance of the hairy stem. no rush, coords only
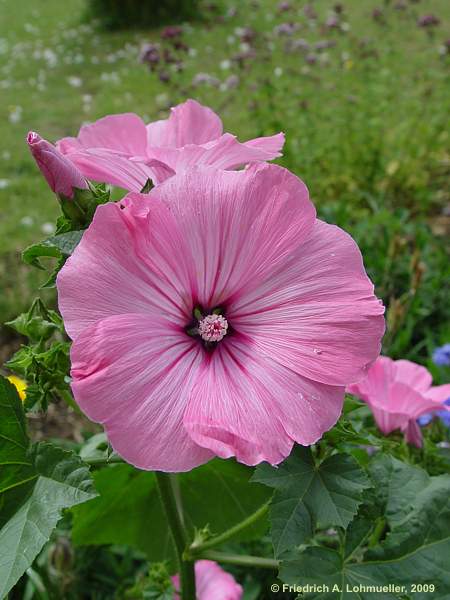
(241, 559)
(98, 461)
(167, 488)
(378, 532)
(197, 548)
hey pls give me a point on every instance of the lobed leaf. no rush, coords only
(36, 483)
(309, 494)
(415, 551)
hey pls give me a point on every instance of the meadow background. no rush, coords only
(360, 88)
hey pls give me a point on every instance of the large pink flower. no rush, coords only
(216, 316)
(398, 392)
(123, 151)
(212, 582)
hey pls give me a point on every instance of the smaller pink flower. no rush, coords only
(123, 151)
(398, 393)
(61, 174)
(212, 582)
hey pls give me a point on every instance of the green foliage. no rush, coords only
(78, 212)
(309, 494)
(408, 544)
(156, 586)
(217, 494)
(44, 363)
(37, 481)
(124, 14)
(39, 323)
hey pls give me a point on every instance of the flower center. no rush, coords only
(212, 328)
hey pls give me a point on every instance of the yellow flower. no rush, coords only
(19, 384)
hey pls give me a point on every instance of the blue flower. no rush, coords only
(444, 415)
(441, 356)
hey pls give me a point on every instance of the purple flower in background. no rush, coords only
(332, 22)
(441, 356)
(311, 59)
(231, 82)
(285, 29)
(284, 6)
(247, 34)
(164, 76)
(443, 415)
(377, 15)
(309, 12)
(205, 79)
(169, 33)
(428, 21)
(299, 44)
(241, 57)
(150, 55)
(324, 44)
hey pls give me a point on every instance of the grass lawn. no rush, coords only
(363, 106)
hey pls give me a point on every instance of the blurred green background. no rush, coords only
(359, 88)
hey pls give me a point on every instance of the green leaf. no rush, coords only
(36, 483)
(45, 371)
(17, 474)
(32, 254)
(218, 493)
(344, 432)
(59, 246)
(415, 551)
(66, 242)
(309, 494)
(396, 485)
(38, 323)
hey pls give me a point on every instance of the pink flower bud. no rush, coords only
(61, 174)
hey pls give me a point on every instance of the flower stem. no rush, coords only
(241, 559)
(98, 461)
(378, 532)
(197, 548)
(167, 488)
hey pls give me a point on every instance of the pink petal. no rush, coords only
(412, 374)
(160, 171)
(212, 582)
(439, 393)
(272, 144)
(248, 406)
(113, 168)
(189, 123)
(413, 433)
(238, 227)
(133, 374)
(318, 315)
(377, 382)
(117, 269)
(125, 133)
(408, 401)
(224, 153)
(387, 420)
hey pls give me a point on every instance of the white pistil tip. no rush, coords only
(213, 328)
